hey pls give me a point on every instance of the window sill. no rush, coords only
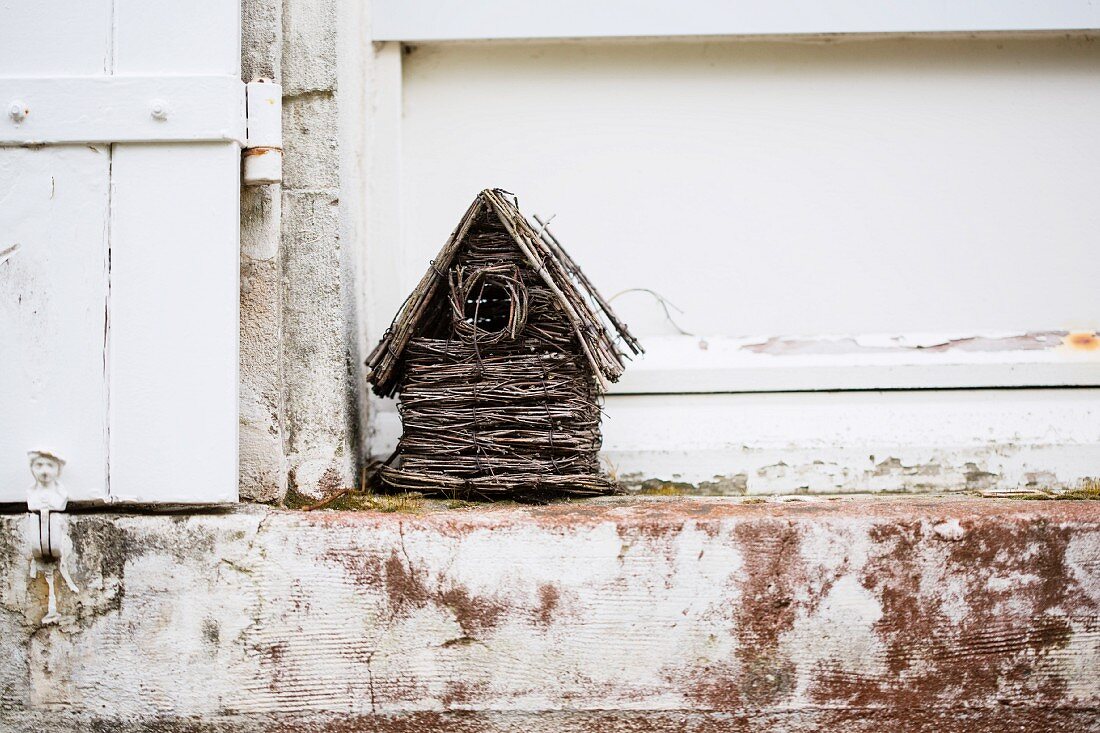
(815, 610)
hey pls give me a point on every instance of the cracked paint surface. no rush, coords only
(627, 615)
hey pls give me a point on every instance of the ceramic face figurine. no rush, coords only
(47, 492)
(48, 495)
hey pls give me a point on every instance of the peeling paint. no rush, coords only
(840, 470)
(7, 252)
(1030, 341)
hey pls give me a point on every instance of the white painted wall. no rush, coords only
(771, 188)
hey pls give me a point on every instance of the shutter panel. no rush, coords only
(120, 237)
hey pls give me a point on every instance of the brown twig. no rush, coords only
(328, 499)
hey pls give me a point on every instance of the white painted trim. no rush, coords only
(384, 203)
(826, 442)
(110, 109)
(687, 364)
(430, 20)
(830, 442)
(383, 209)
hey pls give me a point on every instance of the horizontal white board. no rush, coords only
(430, 20)
(825, 442)
(122, 109)
(682, 364)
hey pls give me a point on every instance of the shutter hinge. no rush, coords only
(47, 526)
(263, 151)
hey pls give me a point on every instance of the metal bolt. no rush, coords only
(159, 109)
(17, 111)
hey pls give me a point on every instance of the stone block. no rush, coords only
(319, 393)
(620, 615)
(311, 157)
(309, 46)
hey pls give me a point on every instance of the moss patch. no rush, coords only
(1087, 490)
(658, 487)
(358, 501)
(296, 500)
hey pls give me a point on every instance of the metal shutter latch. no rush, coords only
(47, 526)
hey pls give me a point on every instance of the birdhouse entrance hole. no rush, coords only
(489, 304)
(489, 307)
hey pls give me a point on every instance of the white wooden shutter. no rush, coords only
(119, 228)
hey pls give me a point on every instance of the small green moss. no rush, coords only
(1027, 496)
(352, 501)
(1088, 489)
(357, 501)
(297, 500)
(409, 503)
(657, 487)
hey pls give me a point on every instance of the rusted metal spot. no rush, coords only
(1082, 341)
(250, 152)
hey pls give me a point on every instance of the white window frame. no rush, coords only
(431, 20)
(767, 363)
(778, 413)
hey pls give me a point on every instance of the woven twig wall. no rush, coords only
(511, 411)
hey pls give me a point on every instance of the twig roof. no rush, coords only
(598, 330)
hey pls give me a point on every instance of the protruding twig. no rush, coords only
(662, 301)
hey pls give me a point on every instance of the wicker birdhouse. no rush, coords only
(500, 357)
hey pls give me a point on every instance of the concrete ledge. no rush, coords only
(632, 615)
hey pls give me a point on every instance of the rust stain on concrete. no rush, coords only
(407, 588)
(549, 597)
(955, 646)
(475, 614)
